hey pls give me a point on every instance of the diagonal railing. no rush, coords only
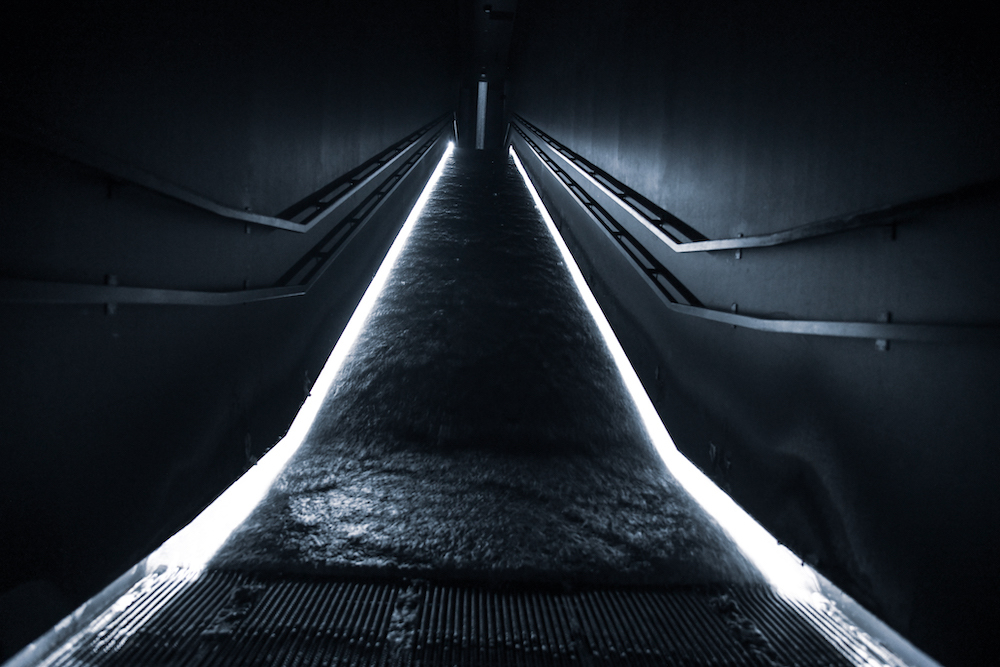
(300, 217)
(678, 297)
(371, 182)
(681, 237)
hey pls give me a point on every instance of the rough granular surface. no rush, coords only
(480, 430)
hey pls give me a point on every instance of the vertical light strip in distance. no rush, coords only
(194, 545)
(782, 569)
(481, 116)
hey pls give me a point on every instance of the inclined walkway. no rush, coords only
(480, 429)
(478, 489)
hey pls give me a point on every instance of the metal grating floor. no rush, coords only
(234, 618)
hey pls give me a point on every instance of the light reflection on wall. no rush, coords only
(777, 564)
(194, 545)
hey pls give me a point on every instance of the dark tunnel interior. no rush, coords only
(872, 456)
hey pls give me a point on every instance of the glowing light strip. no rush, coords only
(194, 545)
(782, 569)
(481, 116)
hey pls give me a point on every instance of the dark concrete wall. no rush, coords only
(747, 118)
(117, 429)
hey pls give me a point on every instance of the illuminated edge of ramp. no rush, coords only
(184, 555)
(791, 577)
(782, 569)
(194, 545)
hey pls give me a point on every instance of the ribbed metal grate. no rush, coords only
(231, 618)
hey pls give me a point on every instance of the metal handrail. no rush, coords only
(882, 332)
(667, 285)
(39, 291)
(46, 292)
(680, 237)
(124, 172)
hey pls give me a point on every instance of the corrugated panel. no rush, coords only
(232, 618)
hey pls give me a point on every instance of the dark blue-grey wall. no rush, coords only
(118, 428)
(753, 117)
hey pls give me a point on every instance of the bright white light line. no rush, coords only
(194, 545)
(782, 569)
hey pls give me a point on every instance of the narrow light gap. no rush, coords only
(778, 565)
(481, 116)
(194, 545)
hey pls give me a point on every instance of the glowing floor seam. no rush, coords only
(195, 545)
(779, 566)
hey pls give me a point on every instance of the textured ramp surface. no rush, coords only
(478, 490)
(231, 618)
(480, 430)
